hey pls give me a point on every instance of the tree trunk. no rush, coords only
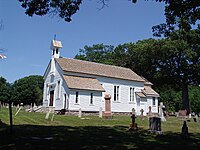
(11, 119)
(185, 97)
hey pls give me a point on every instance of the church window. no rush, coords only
(76, 100)
(116, 93)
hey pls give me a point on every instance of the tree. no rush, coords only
(194, 97)
(182, 29)
(28, 90)
(5, 91)
(180, 15)
(97, 53)
(63, 8)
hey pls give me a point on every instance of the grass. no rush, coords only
(32, 131)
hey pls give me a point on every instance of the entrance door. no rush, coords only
(51, 98)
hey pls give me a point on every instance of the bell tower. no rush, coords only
(55, 46)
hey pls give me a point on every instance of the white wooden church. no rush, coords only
(72, 84)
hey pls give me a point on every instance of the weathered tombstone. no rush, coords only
(51, 110)
(133, 111)
(52, 117)
(79, 113)
(161, 114)
(155, 125)
(133, 125)
(21, 106)
(190, 116)
(182, 114)
(150, 114)
(100, 112)
(184, 130)
(142, 114)
(107, 113)
(47, 115)
(195, 118)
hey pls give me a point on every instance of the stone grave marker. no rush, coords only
(107, 113)
(184, 130)
(79, 113)
(133, 125)
(150, 114)
(161, 114)
(155, 125)
(195, 118)
(100, 112)
(142, 114)
(182, 114)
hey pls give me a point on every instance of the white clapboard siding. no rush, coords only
(123, 105)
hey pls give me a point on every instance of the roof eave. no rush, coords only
(102, 76)
(86, 89)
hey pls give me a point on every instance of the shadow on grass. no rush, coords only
(91, 137)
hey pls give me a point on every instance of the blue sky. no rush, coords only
(27, 39)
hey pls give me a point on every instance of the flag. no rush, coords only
(2, 56)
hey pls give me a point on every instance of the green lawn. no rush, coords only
(32, 131)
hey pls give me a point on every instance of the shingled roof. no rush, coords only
(91, 68)
(83, 83)
(150, 92)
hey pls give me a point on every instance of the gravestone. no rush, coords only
(133, 111)
(50, 110)
(161, 114)
(150, 114)
(107, 113)
(79, 113)
(182, 114)
(184, 130)
(155, 125)
(100, 112)
(190, 116)
(142, 114)
(195, 118)
(133, 125)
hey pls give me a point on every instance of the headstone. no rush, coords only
(52, 117)
(79, 113)
(182, 114)
(195, 118)
(184, 130)
(100, 112)
(133, 111)
(142, 114)
(133, 125)
(51, 110)
(190, 116)
(107, 113)
(47, 115)
(133, 118)
(150, 114)
(155, 125)
(18, 110)
(161, 114)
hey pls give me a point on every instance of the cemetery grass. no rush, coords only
(32, 131)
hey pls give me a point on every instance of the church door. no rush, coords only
(51, 98)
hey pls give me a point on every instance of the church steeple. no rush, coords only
(55, 46)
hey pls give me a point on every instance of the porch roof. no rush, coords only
(83, 83)
(140, 94)
(150, 92)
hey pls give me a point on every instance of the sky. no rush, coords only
(26, 40)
